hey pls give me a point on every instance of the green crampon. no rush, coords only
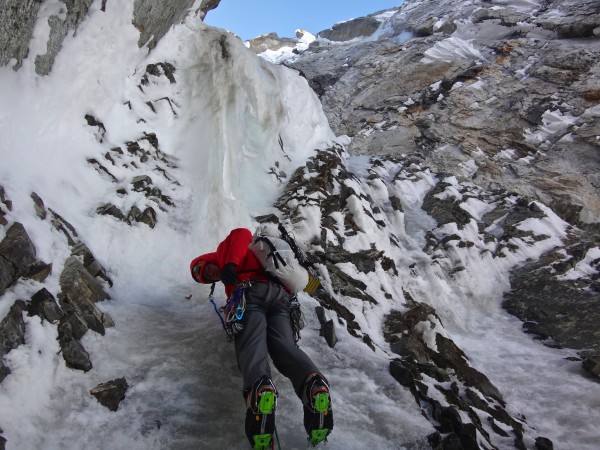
(318, 435)
(262, 441)
(321, 402)
(266, 402)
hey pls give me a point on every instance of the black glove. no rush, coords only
(228, 274)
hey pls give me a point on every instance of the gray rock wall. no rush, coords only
(153, 19)
(464, 406)
(17, 19)
(76, 11)
(17, 255)
(346, 31)
(532, 91)
(81, 283)
(270, 41)
(206, 6)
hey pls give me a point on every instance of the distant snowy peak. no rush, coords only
(280, 49)
(419, 18)
(271, 46)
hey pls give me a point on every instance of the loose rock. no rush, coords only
(111, 393)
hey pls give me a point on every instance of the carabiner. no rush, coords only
(239, 313)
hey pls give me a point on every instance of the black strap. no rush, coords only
(300, 256)
(277, 258)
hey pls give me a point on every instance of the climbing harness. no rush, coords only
(232, 313)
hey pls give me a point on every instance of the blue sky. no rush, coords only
(249, 19)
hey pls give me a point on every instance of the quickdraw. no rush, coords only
(232, 313)
(297, 319)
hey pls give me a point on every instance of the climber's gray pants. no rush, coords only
(268, 331)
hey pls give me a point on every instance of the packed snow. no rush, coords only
(235, 121)
(451, 49)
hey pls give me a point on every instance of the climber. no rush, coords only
(262, 327)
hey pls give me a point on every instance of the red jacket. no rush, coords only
(234, 249)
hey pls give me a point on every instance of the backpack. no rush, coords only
(281, 257)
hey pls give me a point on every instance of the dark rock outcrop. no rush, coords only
(327, 327)
(17, 19)
(76, 12)
(444, 210)
(592, 365)
(75, 312)
(465, 407)
(38, 205)
(206, 6)
(17, 255)
(270, 41)
(44, 305)
(154, 18)
(571, 19)
(75, 356)
(470, 392)
(141, 156)
(90, 262)
(12, 334)
(79, 293)
(346, 31)
(5, 204)
(561, 311)
(111, 393)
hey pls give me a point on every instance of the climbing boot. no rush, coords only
(261, 401)
(318, 415)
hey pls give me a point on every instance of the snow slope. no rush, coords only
(232, 117)
(233, 125)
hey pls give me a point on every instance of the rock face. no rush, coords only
(206, 6)
(80, 291)
(154, 19)
(545, 304)
(76, 11)
(5, 204)
(501, 97)
(270, 41)
(501, 105)
(111, 393)
(486, 104)
(18, 17)
(44, 305)
(141, 194)
(346, 31)
(12, 334)
(517, 107)
(592, 365)
(17, 255)
(357, 222)
(75, 313)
